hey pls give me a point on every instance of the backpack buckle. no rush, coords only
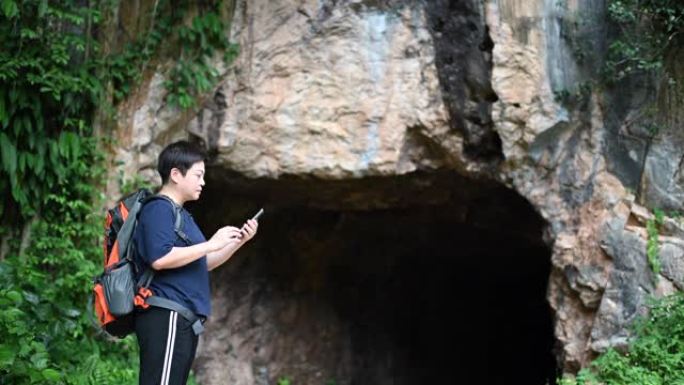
(139, 300)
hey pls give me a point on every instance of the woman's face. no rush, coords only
(190, 185)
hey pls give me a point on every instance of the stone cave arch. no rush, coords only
(426, 278)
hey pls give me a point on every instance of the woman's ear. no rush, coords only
(175, 175)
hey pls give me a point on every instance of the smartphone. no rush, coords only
(258, 214)
(255, 217)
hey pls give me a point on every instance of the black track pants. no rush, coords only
(167, 347)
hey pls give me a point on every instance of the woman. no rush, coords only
(181, 264)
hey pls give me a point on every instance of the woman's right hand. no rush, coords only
(225, 236)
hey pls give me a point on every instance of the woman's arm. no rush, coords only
(219, 257)
(181, 256)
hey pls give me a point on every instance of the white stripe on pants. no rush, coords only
(170, 340)
(167, 347)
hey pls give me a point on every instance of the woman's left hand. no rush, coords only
(249, 230)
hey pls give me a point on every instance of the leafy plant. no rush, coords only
(130, 185)
(198, 41)
(46, 330)
(655, 355)
(652, 244)
(647, 29)
(52, 78)
(49, 169)
(47, 89)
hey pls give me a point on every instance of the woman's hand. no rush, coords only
(234, 238)
(225, 236)
(248, 230)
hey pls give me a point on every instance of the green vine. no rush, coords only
(647, 30)
(129, 185)
(198, 40)
(47, 89)
(652, 244)
(51, 170)
(643, 34)
(53, 76)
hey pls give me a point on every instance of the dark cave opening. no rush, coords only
(454, 304)
(452, 290)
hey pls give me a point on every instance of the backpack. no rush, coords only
(117, 292)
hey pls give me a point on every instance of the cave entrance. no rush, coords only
(415, 281)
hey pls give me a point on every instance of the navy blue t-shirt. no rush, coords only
(154, 237)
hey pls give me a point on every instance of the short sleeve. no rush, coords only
(155, 224)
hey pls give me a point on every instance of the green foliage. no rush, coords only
(647, 30)
(51, 170)
(198, 41)
(652, 244)
(578, 95)
(130, 185)
(655, 356)
(125, 68)
(584, 377)
(46, 330)
(46, 89)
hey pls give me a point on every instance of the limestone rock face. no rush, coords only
(342, 91)
(334, 92)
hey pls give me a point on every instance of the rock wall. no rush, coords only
(348, 90)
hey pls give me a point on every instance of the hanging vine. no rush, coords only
(53, 77)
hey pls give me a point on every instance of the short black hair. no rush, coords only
(181, 155)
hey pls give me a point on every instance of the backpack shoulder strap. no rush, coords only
(178, 215)
(147, 275)
(134, 205)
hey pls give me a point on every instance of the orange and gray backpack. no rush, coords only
(117, 291)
